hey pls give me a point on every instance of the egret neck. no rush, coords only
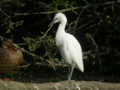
(61, 27)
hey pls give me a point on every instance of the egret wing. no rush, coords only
(74, 51)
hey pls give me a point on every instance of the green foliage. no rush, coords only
(12, 25)
(30, 42)
(24, 21)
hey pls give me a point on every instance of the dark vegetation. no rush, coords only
(95, 23)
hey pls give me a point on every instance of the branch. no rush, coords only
(4, 13)
(67, 9)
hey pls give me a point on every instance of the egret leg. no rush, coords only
(71, 72)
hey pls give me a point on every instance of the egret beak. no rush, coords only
(51, 24)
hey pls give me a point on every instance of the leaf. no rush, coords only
(8, 31)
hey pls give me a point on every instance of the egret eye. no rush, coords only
(56, 20)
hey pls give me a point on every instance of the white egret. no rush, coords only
(68, 45)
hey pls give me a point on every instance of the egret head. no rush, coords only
(59, 17)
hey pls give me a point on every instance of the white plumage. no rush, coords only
(68, 45)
